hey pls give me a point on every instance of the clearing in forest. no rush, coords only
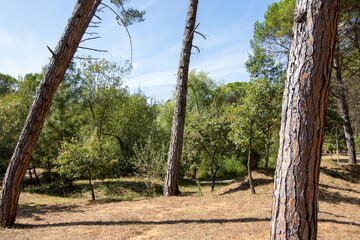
(231, 212)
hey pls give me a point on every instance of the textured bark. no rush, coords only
(12, 183)
(344, 110)
(171, 187)
(295, 195)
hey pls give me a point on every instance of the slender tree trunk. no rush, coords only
(49, 169)
(251, 183)
(30, 175)
(12, 183)
(36, 176)
(337, 147)
(171, 187)
(344, 110)
(91, 187)
(267, 152)
(213, 173)
(295, 195)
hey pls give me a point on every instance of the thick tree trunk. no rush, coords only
(12, 183)
(344, 110)
(295, 195)
(171, 187)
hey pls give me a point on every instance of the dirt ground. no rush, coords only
(231, 212)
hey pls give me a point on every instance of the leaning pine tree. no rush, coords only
(295, 195)
(14, 177)
(177, 131)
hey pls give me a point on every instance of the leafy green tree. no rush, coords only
(11, 121)
(7, 84)
(246, 123)
(268, 78)
(207, 138)
(275, 33)
(150, 161)
(83, 158)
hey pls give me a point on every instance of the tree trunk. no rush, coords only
(344, 110)
(295, 195)
(30, 175)
(91, 187)
(171, 187)
(49, 169)
(12, 183)
(36, 176)
(213, 173)
(251, 183)
(267, 152)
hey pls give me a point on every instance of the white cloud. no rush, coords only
(161, 78)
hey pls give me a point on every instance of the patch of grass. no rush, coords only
(58, 190)
(108, 190)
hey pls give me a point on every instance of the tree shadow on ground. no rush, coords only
(244, 186)
(335, 197)
(35, 210)
(123, 223)
(349, 173)
(167, 222)
(338, 188)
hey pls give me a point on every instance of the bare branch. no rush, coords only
(93, 49)
(197, 48)
(51, 51)
(126, 28)
(98, 17)
(193, 30)
(201, 34)
(92, 33)
(86, 58)
(87, 39)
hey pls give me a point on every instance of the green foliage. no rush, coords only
(150, 161)
(127, 16)
(7, 84)
(11, 121)
(275, 33)
(232, 167)
(83, 158)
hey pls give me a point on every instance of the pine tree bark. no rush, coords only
(344, 109)
(295, 194)
(171, 187)
(12, 183)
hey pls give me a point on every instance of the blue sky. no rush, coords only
(27, 27)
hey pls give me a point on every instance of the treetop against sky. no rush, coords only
(28, 27)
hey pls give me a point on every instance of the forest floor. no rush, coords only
(231, 212)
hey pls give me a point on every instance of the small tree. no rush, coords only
(207, 137)
(150, 161)
(83, 159)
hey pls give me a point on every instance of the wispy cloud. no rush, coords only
(21, 55)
